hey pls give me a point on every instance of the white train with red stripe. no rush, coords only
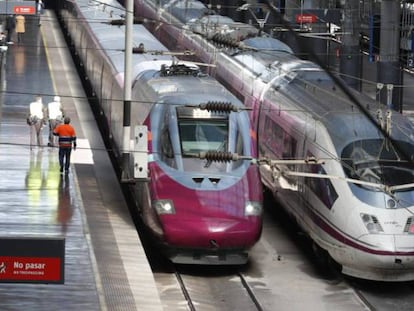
(343, 170)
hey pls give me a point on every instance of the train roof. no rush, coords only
(148, 65)
(269, 63)
(314, 93)
(217, 24)
(267, 44)
(101, 11)
(186, 10)
(112, 37)
(174, 88)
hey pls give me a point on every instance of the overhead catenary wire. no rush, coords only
(146, 20)
(137, 101)
(140, 101)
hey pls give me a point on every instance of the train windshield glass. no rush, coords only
(378, 161)
(199, 135)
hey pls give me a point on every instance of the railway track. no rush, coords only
(281, 275)
(210, 289)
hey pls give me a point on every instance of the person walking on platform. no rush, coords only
(67, 136)
(20, 27)
(39, 8)
(10, 25)
(55, 115)
(36, 119)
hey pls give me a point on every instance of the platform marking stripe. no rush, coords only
(98, 280)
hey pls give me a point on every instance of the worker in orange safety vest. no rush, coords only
(67, 137)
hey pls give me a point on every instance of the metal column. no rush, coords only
(389, 69)
(351, 61)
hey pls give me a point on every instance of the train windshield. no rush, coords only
(380, 162)
(198, 135)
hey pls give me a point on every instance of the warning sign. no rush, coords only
(305, 18)
(30, 268)
(24, 9)
(32, 260)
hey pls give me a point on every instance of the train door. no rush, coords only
(306, 185)
(300, 154)
(319, 193)
(277, 142)
(254, 104)
(265, 141)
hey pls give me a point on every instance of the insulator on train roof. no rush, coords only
(116, 22)
(139, 50)
(218, 106)
(225, 40)
(178, 70)
(219, 156)
(139, 20)
(121, 21)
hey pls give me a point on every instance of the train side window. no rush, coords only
(239, 144)
(166, 146)
(278, 140)
(289, 148)
(321, 187)
(238, 149)
(273, 137)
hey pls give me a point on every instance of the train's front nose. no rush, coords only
(209, 216)
(383, 257)
(404, 250)
(214, 213)
(212, 233)
(211, 240)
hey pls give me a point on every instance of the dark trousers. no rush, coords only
(9, 35)
(64, 158)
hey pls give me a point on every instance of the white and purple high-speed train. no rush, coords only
(201, 211)
(345, 172)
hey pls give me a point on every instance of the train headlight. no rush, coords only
(371, 223)
(164, 206)
(252, 208)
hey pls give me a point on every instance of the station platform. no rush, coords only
(105, 266)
